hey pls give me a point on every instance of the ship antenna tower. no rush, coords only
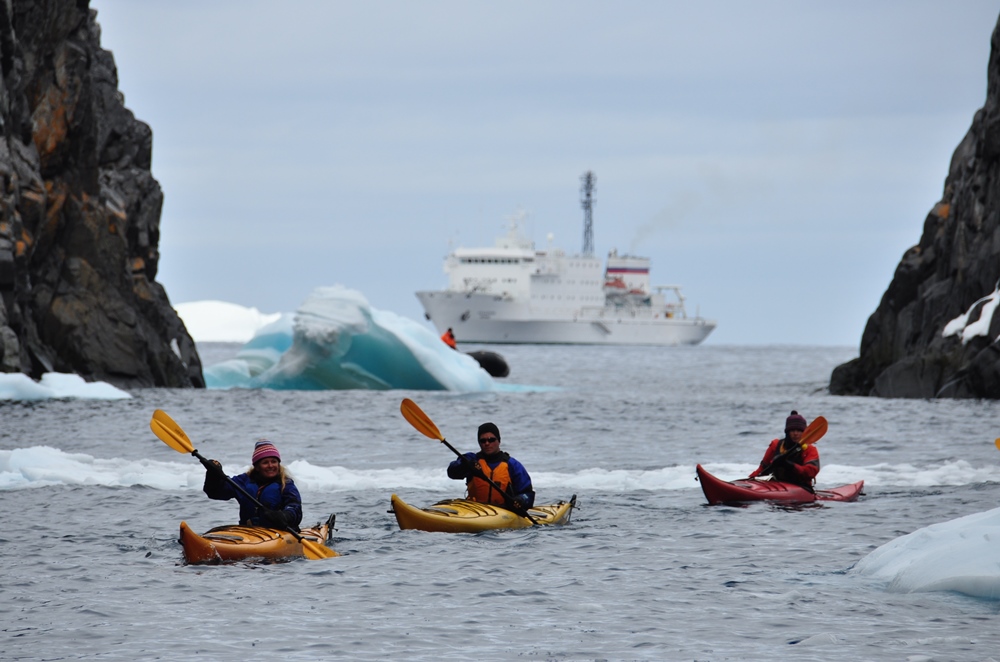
(587, 202)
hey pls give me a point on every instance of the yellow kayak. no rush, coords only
(225, 544)
(463, 516)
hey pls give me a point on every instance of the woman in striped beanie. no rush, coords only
(268, 481)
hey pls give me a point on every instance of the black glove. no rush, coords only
(215, 477)
(787, 457)
(470, 465)
(519, 501)
(275, 519)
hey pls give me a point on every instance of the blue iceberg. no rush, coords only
(336, 340)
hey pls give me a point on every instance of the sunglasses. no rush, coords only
(486, 440)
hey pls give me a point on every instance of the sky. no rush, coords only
(775, 158)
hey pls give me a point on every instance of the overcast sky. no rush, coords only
(774, 158)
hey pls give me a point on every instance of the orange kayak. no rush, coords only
(226, 544)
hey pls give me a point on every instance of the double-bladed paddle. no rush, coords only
(172, 435)
(813, 433)
(425, 426)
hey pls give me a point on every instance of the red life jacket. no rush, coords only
(482, 492)
(799, 468)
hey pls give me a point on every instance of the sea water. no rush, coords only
(90, 566)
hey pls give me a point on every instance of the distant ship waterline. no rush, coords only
(512, 293)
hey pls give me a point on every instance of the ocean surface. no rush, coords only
(90, 567)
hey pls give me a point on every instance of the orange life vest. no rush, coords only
(482, 492)
(449, 339)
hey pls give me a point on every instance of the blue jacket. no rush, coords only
(520, 481)
(270, 494)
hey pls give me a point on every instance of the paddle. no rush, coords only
(997, 442)
(425, 426)
(172, 435)
(813, 433)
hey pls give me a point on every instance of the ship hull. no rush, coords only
(487, 318)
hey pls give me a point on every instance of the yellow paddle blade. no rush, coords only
(169, 432)
(997, 442)
(814, 431)
(419, 420)
(314, 551)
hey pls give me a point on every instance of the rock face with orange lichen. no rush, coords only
(79, 211)
(935, 333)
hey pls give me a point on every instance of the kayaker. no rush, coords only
(509, 474)
(268, 481)
(797, 466)
(449, 339)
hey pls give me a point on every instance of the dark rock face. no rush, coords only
(951, 272)
(79, 211)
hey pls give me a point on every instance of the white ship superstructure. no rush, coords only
(513, 293)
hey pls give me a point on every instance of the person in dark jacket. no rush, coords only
(786, 460)
(268, 481)
(509, 474)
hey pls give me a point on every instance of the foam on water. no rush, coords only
(41, 466)
(959, 555)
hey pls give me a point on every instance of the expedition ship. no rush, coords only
(513, 293)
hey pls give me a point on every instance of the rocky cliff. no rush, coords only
(79, 211)
(934, 333)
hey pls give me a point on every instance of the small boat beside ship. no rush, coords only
(491, 362)
(514, 293)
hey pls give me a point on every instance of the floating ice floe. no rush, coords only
(962, 555)
(18, 386)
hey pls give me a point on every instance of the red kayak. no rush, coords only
(748, 489)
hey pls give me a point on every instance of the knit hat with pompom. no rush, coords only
(264, 448)
(795, 422)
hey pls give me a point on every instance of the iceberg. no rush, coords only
(219, 321)
(962, 555)
(336, 340)
(17, 386)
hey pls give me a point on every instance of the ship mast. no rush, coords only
(587, 202)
